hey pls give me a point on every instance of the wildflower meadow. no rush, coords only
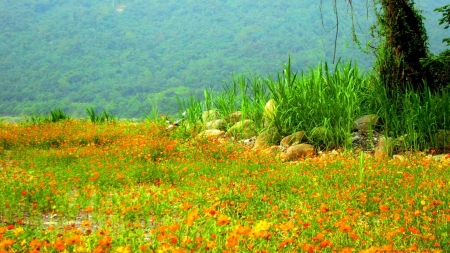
(79, 186)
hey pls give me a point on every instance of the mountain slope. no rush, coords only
(126, 56)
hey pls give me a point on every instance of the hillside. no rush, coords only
(127, 56)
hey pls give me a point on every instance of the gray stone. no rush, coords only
(384, 148)
(367, 122)
(210, 134)
(267, 138)
(293, 139)
(270, 110)
(220, 124)
(234, 117)
(297, 151)
(210, 115)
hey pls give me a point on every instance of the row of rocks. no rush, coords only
(364, 137)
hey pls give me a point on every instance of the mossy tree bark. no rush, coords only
(402, 43)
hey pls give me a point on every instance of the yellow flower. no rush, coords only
(123, 249)
(18, 231)
(260, 228)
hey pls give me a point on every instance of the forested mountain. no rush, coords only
(127, 55)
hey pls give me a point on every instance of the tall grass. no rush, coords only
(56, 115)
(331, 98)
(105, 116)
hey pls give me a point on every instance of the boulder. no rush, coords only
(244, 129)
(220, 124)
(267, 138)
(210, 115)
(210, 134)
(270, 151)
(234, 117)
(269, 113)
(297, 151)
(384, 148)
(366, 122)
(293, 139)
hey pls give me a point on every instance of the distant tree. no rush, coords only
(440, 64)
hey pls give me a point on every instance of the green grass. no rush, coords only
(331, 99)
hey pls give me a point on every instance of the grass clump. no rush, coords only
(329, 101)
(56, 115)
(105, 116)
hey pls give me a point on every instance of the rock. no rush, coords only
(249, 142)
(220, 124)
(297, 151)
(270, 151)
(234, 117)
(210, 134)
(210, 115)
(443, 139)
(242, 130)
(365, 140)
(367, 122)
(384, 148)
(267, 138)
(293, 139)
(269, 113)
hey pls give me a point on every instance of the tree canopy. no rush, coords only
(127, 55)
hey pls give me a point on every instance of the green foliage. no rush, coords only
(55, 116)
(74, 54)
(105, 116)
(326, 102)
(445, 15)
(440, 65)
(58, 115)
(321, 97)
(403, 42)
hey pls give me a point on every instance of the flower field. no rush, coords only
(75, 186)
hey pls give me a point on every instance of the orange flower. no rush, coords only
(319, 237)
(325, 243)
(59, 245)
(242, 230)
(308, 247)
(346, 250)
(287, 226)
(222, 219)
(345, 228)
(35, 243)
(105, 241)
(324, 208)
(414, 230)
(232, 240)
(353, 235)
(74, 239)
(383, 208)
(6, 243)
(286, 242)
(210, 245)
(191, 217)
